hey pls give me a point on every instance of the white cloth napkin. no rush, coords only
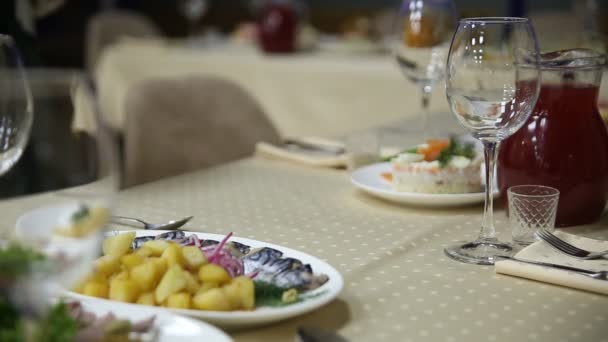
(305, 156)
(541, 251)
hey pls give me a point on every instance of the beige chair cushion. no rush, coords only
(108, 27)
(179, 125)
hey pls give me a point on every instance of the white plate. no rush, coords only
(171, 327)
(38, 224)
(369, 179)
(260, 316)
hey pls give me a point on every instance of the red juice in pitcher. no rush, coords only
(564, 144)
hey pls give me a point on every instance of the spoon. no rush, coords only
(171, 225)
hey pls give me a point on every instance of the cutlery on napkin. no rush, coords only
(311, 151)
(540, 251)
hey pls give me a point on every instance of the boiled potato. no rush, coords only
(193, 257)
(98, 277)
(144, 252)
(156, 247)
(124, 290)
(180, 300)
(145, 275)
(124, 274)
(165, 274)
(173, 281)
(161, 264)
(96, 289)
(207, 286)
(192, 285)
(173, 255)
(94, 277)
(213, 273)
(213, 299)
(232, 293)
(240, 292)
(107, 265)
(146, 298)
(131, 260)
(118, 245)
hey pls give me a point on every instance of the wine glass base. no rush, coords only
(479, 252)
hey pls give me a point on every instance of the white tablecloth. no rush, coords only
(307, 94)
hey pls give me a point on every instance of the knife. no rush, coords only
(310, 334)
(546, 264)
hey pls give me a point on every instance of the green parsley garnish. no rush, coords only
(411, 150)
(455, 149)
(82, 213)
(16, 260)
(267, 294)
(11, 327)
(58, 325)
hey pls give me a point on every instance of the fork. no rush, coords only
(567, 248)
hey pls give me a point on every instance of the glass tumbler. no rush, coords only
(531, 207)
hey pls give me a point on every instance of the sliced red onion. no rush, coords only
(219, 247)
(197, 241)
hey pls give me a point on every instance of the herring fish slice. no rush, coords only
(271, 267)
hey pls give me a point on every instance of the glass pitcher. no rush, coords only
(564, 143)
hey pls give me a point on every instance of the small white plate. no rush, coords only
(171, 327)
(39, 224)
(264, 315)
(369, 179)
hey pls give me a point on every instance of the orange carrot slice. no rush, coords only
(387, 176)
(433, 149)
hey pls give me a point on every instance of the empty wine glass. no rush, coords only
(16, 105)
(193, 10)
(420, 43)
(492, 84)
(72, 178)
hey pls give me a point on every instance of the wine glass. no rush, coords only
(420, 43)
(492, 85)
(16, 105)
(193, 10)
(72, 179)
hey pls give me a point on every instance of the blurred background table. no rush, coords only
(322, 94)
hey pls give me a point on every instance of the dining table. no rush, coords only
(398, 284)
(317, 93)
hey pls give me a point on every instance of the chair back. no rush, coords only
(178, 125)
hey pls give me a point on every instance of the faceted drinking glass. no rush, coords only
(531, 208)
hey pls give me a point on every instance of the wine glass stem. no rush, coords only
(488, 232)
(426, 99)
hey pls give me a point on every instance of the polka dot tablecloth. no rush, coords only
(399, 286)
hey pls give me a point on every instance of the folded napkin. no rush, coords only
(541, 251)
(308, 156)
